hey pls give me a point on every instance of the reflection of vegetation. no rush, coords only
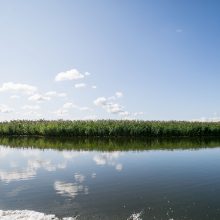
(109, 144)
(110, 128)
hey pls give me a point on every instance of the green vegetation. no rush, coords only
(110, 128)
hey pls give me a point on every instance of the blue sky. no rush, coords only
(151, 60)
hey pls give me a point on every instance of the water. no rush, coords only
(147, 184)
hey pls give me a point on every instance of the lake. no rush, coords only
(110, 179)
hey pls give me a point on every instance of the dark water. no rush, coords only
(158, 184)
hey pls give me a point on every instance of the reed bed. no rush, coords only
(109, 128)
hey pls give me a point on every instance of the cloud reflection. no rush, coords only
(72, 189)
(23, 164)
(109, 159)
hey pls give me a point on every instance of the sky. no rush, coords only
(110, 59)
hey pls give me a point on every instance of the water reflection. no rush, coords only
(24, 164)
(72, 189)
(107, 144)
(111, 184)
(16, 175)
(109, 159)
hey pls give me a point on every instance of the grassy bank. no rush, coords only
(110, 128)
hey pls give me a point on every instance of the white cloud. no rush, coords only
(84, 108)
(90, 117)
(110, 107)
(138, 113)
(39, 98)
(72, 74)
(5, 109)
(205, 119)
(119, 94)
(69, 105)
(17, 87)
(94, 87)
(51, 93)
(114, 108)
(87, 74)
(125, 113)
(101, 101)
(62, 94)
(60, 112)
(80, 85)
(65, 109)
(31, 107)
(55, 94)
(33, 113)
(14, 97)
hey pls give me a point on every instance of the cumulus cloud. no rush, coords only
(60, 112)
(109, 106)
(14, 97)
(69, 105)
(90, 117)
(114, 108)
(55, 94)
(39, 98)
(31, 107)
(101, 101)
(80, 85)
(119, 94)
(72, 74)
(33, 114)
(18, 87)
(87, 74)
(64, 110)
(5, 109)
(84, 108)
(138, 113)
(125, 113)
(206, 119)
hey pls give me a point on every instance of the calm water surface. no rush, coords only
(111, 185)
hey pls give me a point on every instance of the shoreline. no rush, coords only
(110, 128)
